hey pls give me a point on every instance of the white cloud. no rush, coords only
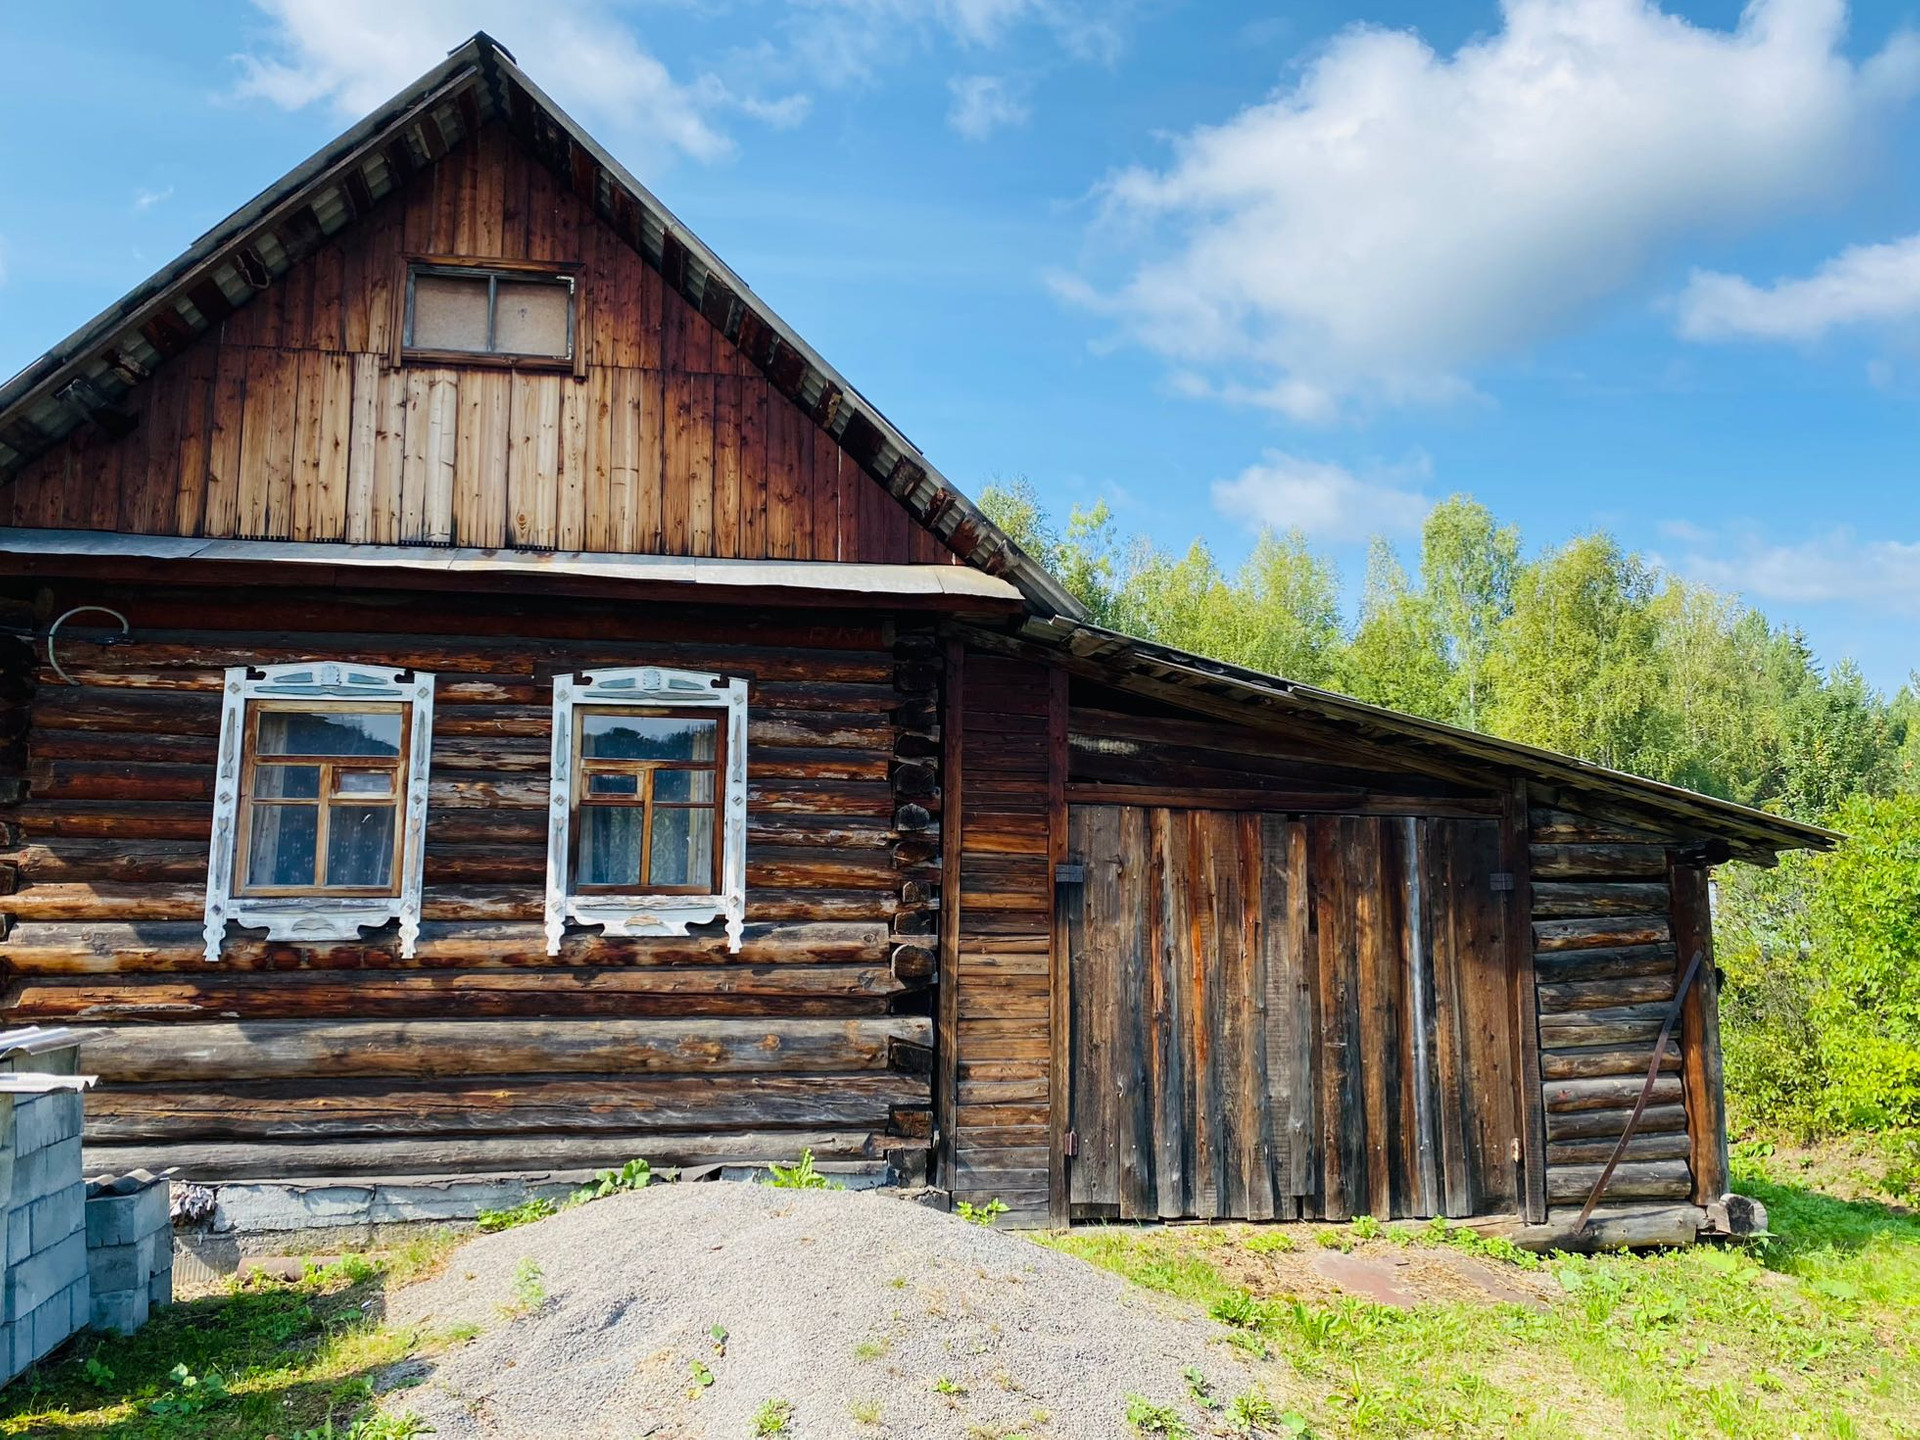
(145, 199)
(1325, 500)
(1395, 216)
(1879, 576)
(839, 42)
(1863, 284)
(356, 54)
(983, 104)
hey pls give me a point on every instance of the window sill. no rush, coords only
(640, 915)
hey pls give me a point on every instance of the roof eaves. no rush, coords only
(1101, 645)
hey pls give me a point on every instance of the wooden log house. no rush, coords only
(481, 694)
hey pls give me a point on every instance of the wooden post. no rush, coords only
(946, 1040)
(1515, 860)
(1059, 1077)
(1700, 1056)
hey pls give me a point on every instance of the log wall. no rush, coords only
(1607, 967)
(288, 420)
(481, 1051)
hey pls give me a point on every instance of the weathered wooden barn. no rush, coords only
(482, 695)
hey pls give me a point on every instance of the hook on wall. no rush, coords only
(54, 629)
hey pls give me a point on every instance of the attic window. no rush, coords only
(508, 314)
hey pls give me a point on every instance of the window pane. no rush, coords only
(601, 784)
(329, 732)
(610, 845)
(682, 848)
(364, 782)
(360, 845)
(282, 849)
(450, 312)
(286, 782)
(646, 737)
(694, 785)
(530, 318)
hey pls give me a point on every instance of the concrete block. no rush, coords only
(56, 1216)
(44, 1171)
(119, 1311)
(19, 1235)
(123, 1219)
(121, 1267)
(44, 1274)
(160, 1289)
(43, 1120)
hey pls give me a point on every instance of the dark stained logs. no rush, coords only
(103, 868)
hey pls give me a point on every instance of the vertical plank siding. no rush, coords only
(482, 1050)
(999, 977)
(1257, 1016)
(286, 421)
(1611, 933)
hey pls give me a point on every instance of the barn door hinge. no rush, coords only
(1500, 880)
(1070, 1143)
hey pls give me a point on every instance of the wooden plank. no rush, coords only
(533, 460)
(753, 468)
(1421, 1022)
(307, 438)
(572, 478)
(413, 456)
(650, 475)
(727, 467)
(1128, 1076)
(389, 459)
(440, 457)
(1256, 1143)
(266, 447)
(196, 432)
(1700, 1038)
(1059, 976)
(1446, 875)
(480, 459)
(699, 442)
(626, 459)
(361, 449)
(226, 418)
(1097, 1119)
(1375, 1013)
(1168, 1007)
(338, 430)
(1515, 858)
(601, 523)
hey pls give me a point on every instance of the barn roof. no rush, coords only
(1176, 675)
(88, 376)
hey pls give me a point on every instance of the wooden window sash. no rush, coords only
(395, 766)
(558, 272)
(585, 766)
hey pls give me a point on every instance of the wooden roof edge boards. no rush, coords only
(1754, 835)
(831, 401)
(963, 586)
(163, 291)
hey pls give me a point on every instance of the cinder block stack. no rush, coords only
(46, 1294)
(129, 1249)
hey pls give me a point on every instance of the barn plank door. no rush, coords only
(1275, 1017)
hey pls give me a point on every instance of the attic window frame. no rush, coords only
(471, 267)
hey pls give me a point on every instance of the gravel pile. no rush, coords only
(867, 1315)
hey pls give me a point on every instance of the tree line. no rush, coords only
(1589, 648)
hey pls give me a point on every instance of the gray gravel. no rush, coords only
(845, 1305)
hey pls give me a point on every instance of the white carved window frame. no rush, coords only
(318, 917)
(639, 913)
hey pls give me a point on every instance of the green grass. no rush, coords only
(264, 1358)
(1814, 1332)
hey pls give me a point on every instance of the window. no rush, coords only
(647, 833)
(320, 802)
(506, 313)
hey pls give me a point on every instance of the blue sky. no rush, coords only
(1596, 262)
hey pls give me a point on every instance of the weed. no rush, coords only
(702, 1376)
(864, 1412)
(1239, 1309)
(801, 1176)
(1199, 1387)
(1271, 1242)
(1333, 1240)
(191, 1393)
(636, 1174)
(491, 1222)
(1147, 1418)
(374, 1427)
(97, 1373)
(774, 1417)
(946, 1385)
(1366, 1227)
(981, 1214)
(898, 1282)
(871, 1349)
(529, 1287)
(1251, 1343)
(1252, 1413)
(718, 1334)
(460, 1332)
